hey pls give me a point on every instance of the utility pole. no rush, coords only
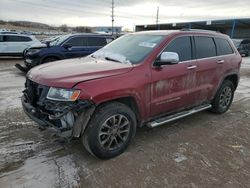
(112, 16)
(157, 19)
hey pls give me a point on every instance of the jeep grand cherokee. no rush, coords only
(144, 78)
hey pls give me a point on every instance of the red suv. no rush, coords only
(144, 78)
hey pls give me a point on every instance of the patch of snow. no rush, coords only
(41, 172)
(16, 147)
(21, 123)
(106, 54)
(180, 157)
(243, 90)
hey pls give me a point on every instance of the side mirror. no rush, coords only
(67, 46)
(47, 44)
(167, 58)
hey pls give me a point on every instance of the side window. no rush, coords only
(97, 41)
(205, 47)
(223, 47)
(1, 38)
(77, 41)
(182, 46)
(25, 39)
(10, 38)
(13, 38)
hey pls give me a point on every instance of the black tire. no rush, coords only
(223, 98)
(110, 115)
(49, 59)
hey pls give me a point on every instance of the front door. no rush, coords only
(172, 85)
(76, 47)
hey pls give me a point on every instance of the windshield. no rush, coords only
(130, 48)
(58, 40)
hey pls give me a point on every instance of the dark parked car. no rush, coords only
(145, 78)
(243, 46)
(64, 47)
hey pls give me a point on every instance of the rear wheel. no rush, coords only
(110, 130)
(223, 98)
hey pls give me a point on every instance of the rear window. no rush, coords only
(205, 47)
(97, 41)
(223, 47)
(182, 46)
(12, 38)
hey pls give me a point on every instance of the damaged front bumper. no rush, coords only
(67, 119)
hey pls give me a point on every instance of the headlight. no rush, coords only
(33, 51)
(63, 94)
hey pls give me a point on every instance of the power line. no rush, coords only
(112, 17)
(157, 18)
(78, 10)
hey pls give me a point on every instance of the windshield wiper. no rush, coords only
(112, 59)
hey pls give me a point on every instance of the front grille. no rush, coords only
(35, 92)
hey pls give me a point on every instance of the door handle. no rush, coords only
(191, 67)
(220, 61)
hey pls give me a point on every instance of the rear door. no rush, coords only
(226, 55)
(209, 68)
(172, 85)
(16, 44)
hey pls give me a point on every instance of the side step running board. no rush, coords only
(176, 116)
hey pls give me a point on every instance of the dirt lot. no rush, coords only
(203, 150)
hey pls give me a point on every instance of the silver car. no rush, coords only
(15, 44)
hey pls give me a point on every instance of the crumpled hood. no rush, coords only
(38, 46)
(67, 73)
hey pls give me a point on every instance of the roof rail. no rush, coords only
(201, 30)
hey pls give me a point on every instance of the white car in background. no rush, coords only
(15, 44)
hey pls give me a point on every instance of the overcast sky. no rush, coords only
(127, 12)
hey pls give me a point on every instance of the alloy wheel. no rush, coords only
(114, 132)
(225, 97)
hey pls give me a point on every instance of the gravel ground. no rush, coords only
(203, 150)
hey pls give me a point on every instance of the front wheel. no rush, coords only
(223, 98)
(110, 130)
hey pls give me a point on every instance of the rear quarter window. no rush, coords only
(205, 47)
(97, 41)
(223, 47)
(13, 38)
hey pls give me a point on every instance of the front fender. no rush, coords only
(59, 57)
